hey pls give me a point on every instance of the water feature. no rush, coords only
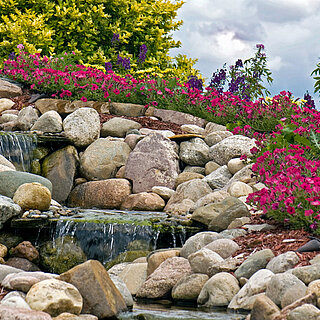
(18, 148)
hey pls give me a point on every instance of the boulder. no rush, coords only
(307, 274)
(22, 263)
(60, 168)
(102, 159)
(253, 263)
(224, 247)
(61, 254)
(127, 109)
(15, 300)
(218, 216)
(118, 127)
(210, 166)
(33, 195)
(26, 118)
(13, 313)
(239, 189)
(9, 90)
(189, 287)
(192, 128)
(105, 194)
(281, 283)
(191, 190)
(50, 121)
(200, 170)
(4, 161)
(5, 270)
(197, 242)
(82, 127)
(306, 311)
(257, 284)
(5, 168)
(213, 127)
(157, 257)
(5, 104)
(163, 279)
(218, 290)
(227, 265)
(194, 152)
(8, 209)
(235, 165)
(58, 105)
(134, 275)
(160, 164)
(54, 297)
(231, 147)
(187, 176)
(143, 201)
(3, 250)
(100, 296)
(216, 136)
(283, 262)
(218, 178)
(212, 197)
(314, 287)
(264, 309)
(23, 281)
(70, 316)
(164, 133)
(201, 260)
(123, 289)
(25, 250)
(164, 192)
(11, 180)
(8, 118)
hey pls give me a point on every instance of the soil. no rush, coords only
(279, 240)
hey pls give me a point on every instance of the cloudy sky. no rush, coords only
(221, 31)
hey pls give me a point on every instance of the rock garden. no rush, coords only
(194, 174)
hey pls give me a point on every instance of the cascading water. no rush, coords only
(18, 148)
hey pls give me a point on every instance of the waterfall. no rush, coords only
(18, 149)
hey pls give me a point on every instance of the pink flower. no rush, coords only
(308, 213)
(316, 203)
(84, 99)
(20, 46)
(106, 95)
(291, 210)
(154, 103)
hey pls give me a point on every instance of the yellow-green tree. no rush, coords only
(88, 27)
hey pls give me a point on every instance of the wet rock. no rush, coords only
(156, 258)
(281, 283)
(23, 264)
(15, 300)
(4, 161)
(8, 209)
(25, 250)
(9, 90)
(264, 309)
(60, 168)
(61, 255)
(187, 176)
(127, 109)
(13, 313)
(231, 147)
(27, 118)
(134, 275)
(194, 152)
(253, 263)
(191, 190)
(160, 164)
(283, 262)
(197, 242)
(218, 290)
(257, 284)
(105, 194)
(82, 126)
(189, 287)
(102, 159)
(118, 127)
(201, 260)
(100, 296)
(5, 168)
(123, 289)
(218, 178)
(10, 240)
(143, 201)
(216, 136)
(163, 279)
(224, 247)
(33, 195)
(50, 121)
(218, 216)
(23, 281)
(11, 180)
(54, 297)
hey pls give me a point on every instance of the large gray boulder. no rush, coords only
(105, 194)
(102, 159)
(127, 109)
(191, 190)
(60, 168)
(153, 162)
(218, 178)
(8, 210)
(231, 147)
(224, 247)
(218, 216)
(10, 181)
(82, 126)
(26, 118)
(118, 127)
(307, 274)
(50, 121)
(194, 152)
(283, 262)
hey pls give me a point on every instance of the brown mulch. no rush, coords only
(279, 240)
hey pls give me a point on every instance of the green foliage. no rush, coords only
(316, 76)
(87, 28)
